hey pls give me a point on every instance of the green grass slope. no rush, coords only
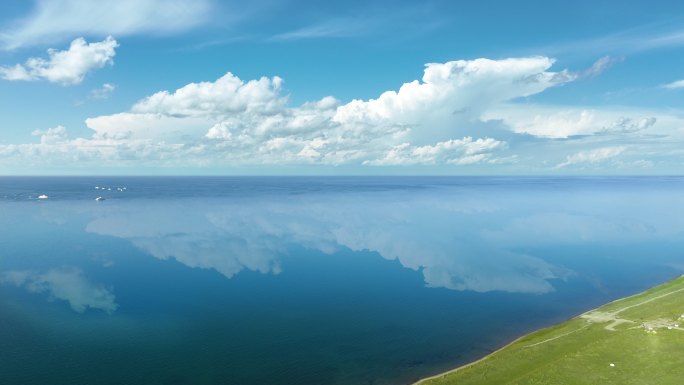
(635, 340)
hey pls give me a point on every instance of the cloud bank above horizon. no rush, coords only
(461, 113)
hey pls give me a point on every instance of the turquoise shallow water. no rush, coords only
(310, 280)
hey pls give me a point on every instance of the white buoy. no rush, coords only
(42, 196)
(612, 364)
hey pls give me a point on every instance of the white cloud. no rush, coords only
(103, 92)
(675, 85)
(461, 152)
(65, 67)
(51, 135)
(226, 96)
(54, 20)
(594, 156)
(129, 128)
(560, 122)
(454, 93)
(67, 284)
(472, 159)
(626, 125)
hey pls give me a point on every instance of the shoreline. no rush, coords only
(465, 366)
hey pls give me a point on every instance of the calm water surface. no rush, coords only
(310, 280)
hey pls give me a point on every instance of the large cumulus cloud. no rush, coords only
(232, 121)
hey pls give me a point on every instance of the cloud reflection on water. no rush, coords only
(439, 237)
(65, 283)
(518, 236)
(462, 238)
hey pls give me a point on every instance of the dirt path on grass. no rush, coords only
(595, 316)
(612, 317)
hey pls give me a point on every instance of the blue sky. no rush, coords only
(353, 87)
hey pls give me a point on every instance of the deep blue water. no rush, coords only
(282, 280)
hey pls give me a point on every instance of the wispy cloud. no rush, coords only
(344, 27)
(634, 40)
(674, 85)
(594, 156)
(410, 20)
(55, 20)
(599, 66)
(103, 92)
(212, 43)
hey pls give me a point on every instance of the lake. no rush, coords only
(311, 280)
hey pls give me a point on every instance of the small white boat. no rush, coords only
(42, 196)
(99, 199)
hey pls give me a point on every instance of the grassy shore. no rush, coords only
(635, 340)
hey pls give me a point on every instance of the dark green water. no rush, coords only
(310, 280)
